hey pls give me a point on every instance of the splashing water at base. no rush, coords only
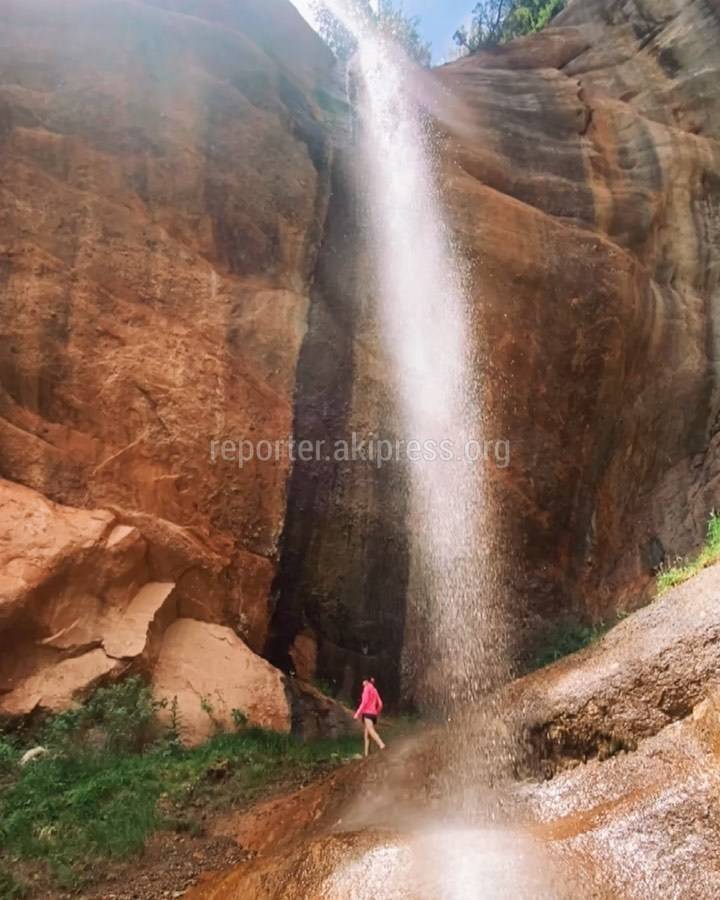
(447, 864)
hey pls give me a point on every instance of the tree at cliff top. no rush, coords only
(496, 21)
(384, 16)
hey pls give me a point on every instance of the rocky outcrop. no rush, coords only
(649, 671)
(214, 682)
(87, 595)
(164, 185)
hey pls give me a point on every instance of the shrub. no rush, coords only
(122, 718)
(682, 571)
(568, 638)
(497, 21)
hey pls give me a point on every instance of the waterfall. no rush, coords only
(453, 650)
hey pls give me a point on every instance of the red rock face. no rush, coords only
(164, 207)
(583, 177)
(163, 185)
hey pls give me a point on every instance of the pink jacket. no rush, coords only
(370, 702)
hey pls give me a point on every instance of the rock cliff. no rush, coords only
(583, 173)
(582, 179)
(182, 262)
(164, 184)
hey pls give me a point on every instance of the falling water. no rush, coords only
(453, 650)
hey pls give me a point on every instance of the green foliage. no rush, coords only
(389, 20)
(121, 717)
(9, 755)
(10, 888)
(91, 800)
(324, 686)
(709, 554)
(68, 810)
(497, 21)
(566, 639)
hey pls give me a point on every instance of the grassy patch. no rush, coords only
(10, 888)
(567, 639)
(682, 571)
(103, 789)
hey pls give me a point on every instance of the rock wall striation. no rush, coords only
(183, 260)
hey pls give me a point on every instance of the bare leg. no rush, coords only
(366, 735)
(370, 728)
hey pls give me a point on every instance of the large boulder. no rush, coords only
(206, 673)
(648, 671)
(85, 595)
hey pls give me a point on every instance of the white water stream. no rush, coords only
(455, 650)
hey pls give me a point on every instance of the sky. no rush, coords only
(439, 20)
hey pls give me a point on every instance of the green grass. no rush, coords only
(709, 554)
(84, 805)
(568, 638)
(10, 888)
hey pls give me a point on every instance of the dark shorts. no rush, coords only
(373, 719)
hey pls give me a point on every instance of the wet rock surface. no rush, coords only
(648, 819)
(639, 823)
(647, 672)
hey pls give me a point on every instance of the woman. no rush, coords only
(369, 709)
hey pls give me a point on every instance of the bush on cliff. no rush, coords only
(710, 553)
(497, 21)
(567, 638)
(387, 17)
